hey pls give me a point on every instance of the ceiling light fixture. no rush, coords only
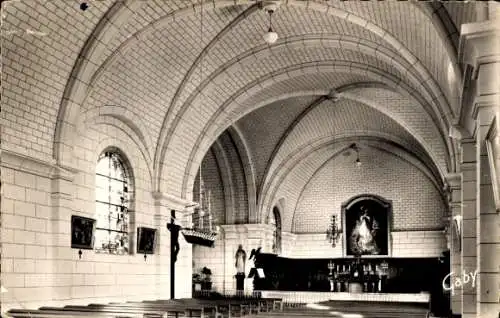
(358, 162)
(270, 37)
(356, 148)
(270, 6)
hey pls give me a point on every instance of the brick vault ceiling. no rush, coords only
(325, 125)
(144, 58)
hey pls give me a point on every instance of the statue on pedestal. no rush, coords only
(240, 257)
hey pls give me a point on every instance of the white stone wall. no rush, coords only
(404, 244)
(39, 268)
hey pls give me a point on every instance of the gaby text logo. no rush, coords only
(457, 281)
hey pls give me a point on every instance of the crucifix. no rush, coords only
(174, 250)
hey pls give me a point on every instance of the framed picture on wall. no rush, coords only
(366, 223)
(82, 232)
(146, 240)
(493, 149)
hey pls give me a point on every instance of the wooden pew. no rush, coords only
(36, 313)
(146, 311)
(223, 307)
(191, 309)
(204, 308)
(276, 303)
(170, 308)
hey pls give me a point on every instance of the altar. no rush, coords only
(347, 275)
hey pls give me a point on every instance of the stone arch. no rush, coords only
(117, 123)
(344, 42)
(227, 181)
(127, 117)
(248, 169)
(273, 78)
(340, 143)
(79, 79)
(191, 70)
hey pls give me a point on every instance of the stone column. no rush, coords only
(488, 221)
(287, 243)
(162, 255)
(59, 225)
(469, 229)
(455, 204)
(480, 47)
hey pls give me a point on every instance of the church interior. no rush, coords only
(250, 158)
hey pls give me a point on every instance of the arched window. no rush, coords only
(112, 204)
(275, 220)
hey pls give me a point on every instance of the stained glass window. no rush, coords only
(112, 205)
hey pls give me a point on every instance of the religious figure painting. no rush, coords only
(146, 240)
(366, 224)
(82, 232)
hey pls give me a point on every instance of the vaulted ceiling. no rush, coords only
(179, 73)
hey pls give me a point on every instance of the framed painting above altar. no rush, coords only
(366, 221)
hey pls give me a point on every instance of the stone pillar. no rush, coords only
(258, 236)
(162, 255)
(287, 243)
(480, 47)
(455, 204)
(469, 229)
(183, 267)
(488, 225)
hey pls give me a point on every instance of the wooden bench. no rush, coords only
(204, 308)
(166, 310)
(169, 308)
(224, 307)
(210, 308)
(36, 313)
(146, 312)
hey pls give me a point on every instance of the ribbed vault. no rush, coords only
(392, 105)
(175, 75)
(329, 123)
(336, 163)
(141, 38)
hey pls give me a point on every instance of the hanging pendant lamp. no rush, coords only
(270, 37)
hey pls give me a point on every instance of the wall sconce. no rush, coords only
(333, 231)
